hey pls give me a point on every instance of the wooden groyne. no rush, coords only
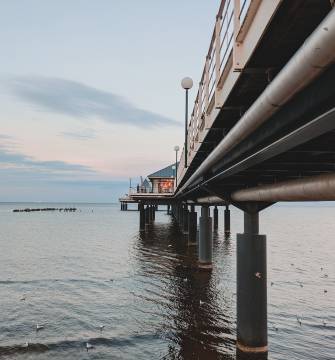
(45, 209)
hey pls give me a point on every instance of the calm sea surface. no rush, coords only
(78, 271)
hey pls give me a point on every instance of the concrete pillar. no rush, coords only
(205, 239)
(142, 217)
(126, 206)
(180, 215)
(251, 287)
(192, 227)
(154, 208)
(185, 219)
(168, 209)
(121, 206)
(151, 212)
(227, 219)
(215, 218)
(147, 215)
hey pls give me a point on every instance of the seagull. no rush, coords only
(23, 298)
(101, 327)
(299, 321)
(272, 283)
(185, 280)
(89, 346)
(26, 344)
(201, 302)
(170, 245)
(39, 327)
(275, 327)
(258, 275)
(324, 323)
(325, 291)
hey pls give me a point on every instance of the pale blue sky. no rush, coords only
(90, 92)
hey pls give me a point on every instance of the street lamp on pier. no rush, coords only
(186, 84)
(176, 149)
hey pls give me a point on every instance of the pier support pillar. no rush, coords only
(147, 216)
(205, 240)
(185, 219)
(154, 212)
(227, 219)
(215, 218)
(180, 215)
(192, 227)
(168, 210)
(142, 216)
(251, 287)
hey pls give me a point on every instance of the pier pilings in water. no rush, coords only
(205, 240)
(215, 218)
(251, 287)
(192, 227)
(227, 219)
(185, 219)
(142, 216)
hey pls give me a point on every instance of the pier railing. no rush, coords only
(226, 55)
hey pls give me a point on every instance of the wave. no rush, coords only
(76, 344)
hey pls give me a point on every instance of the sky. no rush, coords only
(90, 92)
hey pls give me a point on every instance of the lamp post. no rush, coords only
(176, 149)
(186, 84)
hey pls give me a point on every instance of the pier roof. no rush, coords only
(167, 172)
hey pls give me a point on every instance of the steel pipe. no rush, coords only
(318, 188)
(210, 200)
(317, 53)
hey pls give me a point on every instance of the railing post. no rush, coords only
(200, 105)
(217, 58)
(237, 45)
(206, 84)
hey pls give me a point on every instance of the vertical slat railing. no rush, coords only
(231, 15)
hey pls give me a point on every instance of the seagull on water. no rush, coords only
(201, 302)
(89, 346)
(299, 321)
(39, 327)
(23, 298)
(325, 291)
(101, 327)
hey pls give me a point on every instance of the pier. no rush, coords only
(262, 131)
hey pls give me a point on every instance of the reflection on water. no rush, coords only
(195, 322)
(79, 271)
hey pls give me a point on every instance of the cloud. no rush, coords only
(23, 178)
(17, 164)
(81, 101)
(86, 134)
